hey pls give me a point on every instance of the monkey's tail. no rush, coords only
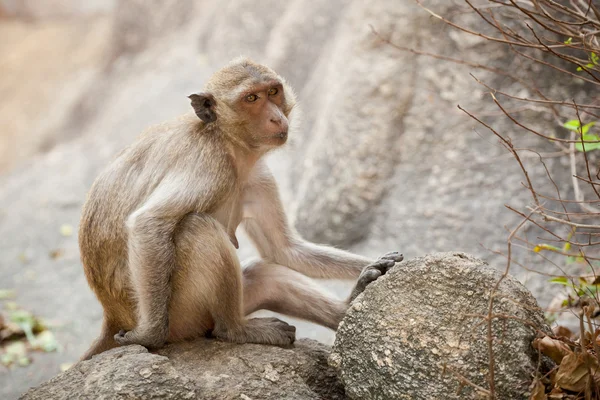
(103, 343)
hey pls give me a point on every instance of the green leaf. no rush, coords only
(594, 58)
(592, 142)
(21, 316)
(592, 290)
(569, 40)
(586, 127)
(25, 320)
(543, 246)
(579, 69)
(562, 280)
(572, 125)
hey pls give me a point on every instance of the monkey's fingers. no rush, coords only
(392, 255)
(368, 276)
(382, 265)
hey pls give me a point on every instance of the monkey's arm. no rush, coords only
(266, 224)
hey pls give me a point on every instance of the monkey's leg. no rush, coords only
(280, 289)
(207, 288)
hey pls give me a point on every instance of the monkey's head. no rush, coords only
(249, 102)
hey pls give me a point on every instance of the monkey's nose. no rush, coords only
(276, 120)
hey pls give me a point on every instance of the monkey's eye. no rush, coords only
(273, 91)
(251, 98)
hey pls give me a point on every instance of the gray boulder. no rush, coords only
(203, 369)
(414, 331)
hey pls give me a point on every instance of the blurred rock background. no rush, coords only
(381, 159)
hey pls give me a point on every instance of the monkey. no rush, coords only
(157, 231)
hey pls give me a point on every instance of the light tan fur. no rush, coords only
(157, 234)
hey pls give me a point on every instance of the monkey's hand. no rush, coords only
(373, 271)
(150, 338)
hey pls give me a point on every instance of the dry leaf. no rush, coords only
(556, 394)
(11, 331)
(54, 254)
(573, 374)
(553, 348)
(563, 331)
(538, 391)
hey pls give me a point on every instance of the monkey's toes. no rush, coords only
(121, 338)
(288, 331)
(130, 337)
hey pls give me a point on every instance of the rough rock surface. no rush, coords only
(399, 333)
(203, 369)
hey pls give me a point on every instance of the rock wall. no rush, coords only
(381, 158)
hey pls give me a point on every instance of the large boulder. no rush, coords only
(417, 332)
(203, 369)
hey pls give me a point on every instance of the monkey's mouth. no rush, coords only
(282, 135)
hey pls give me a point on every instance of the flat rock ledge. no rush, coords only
(201, 369)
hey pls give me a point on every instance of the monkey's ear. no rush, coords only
(204, 106)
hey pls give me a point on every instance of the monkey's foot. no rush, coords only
(373, 271)
(151, 339)
(269, 331)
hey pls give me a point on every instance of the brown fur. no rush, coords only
(157, 233)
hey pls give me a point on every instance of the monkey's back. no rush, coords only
(121, 189)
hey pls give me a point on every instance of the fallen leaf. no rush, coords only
(573, 373)
(563, 331)
(45, 341)
(7, 294)
(11, 331)
(553, 348)
(23, 258)
(15, 353)
(65, 366)
(54, 254)
(66, 230)
(539, 391)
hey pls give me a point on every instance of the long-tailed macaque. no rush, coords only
(157, 234)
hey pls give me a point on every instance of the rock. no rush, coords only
(203, 369)
(402, 330)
